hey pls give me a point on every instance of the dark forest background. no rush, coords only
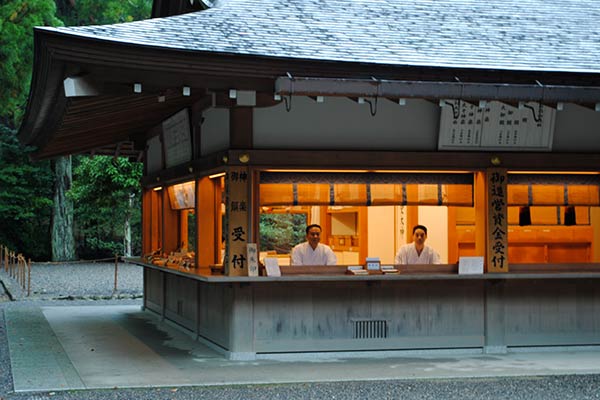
(101, 194)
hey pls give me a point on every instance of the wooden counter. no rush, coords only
(246, 316)
(407, 272)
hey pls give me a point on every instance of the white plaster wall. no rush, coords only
(154, 155)
(435, 218)
(382, 232)
(215, 131)
(576, 129)
(342, 124)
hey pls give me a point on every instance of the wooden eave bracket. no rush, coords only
(78, 86)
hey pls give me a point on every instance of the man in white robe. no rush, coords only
(418, 252)
(312, 252)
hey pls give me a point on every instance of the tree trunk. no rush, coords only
(63, 242)
(127, 233)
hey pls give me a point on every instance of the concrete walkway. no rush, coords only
(92, 347)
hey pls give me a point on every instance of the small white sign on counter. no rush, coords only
(272, 266)
(252, 256)
(470, 265)
(373, 263)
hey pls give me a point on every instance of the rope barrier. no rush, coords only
(18, 267)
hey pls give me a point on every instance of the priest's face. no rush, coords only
(314, 236)
(419, 237)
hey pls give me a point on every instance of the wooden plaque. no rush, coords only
(238, 201)
(497, 226)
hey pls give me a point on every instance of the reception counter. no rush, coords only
(422, 307)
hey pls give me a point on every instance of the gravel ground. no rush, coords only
(85, 281)
(80, 284)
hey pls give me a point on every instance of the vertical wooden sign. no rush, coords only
(497, 227)
(236, 258)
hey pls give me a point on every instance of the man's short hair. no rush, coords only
(423, 227)
(308, 228)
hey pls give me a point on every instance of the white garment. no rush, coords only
(408, 255)
(303, 254)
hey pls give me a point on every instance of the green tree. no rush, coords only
(94, 12)
(107, 195)
(17, 19)
(85, 12)
(25, 199)
(281, 232)
(25, 187)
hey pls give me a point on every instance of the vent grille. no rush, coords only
(369, 329)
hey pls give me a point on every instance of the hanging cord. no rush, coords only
(372, 106)
(540, 105)
(373, 103)
(288, 99)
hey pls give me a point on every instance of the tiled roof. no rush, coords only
(544, 35)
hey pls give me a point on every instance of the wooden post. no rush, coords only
(116, 272)
(23, 266)
(20, 271)
(29, 278)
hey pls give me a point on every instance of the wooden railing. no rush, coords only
(17, 267)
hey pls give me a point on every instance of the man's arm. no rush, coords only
(435, 257)
(401, 256)
(331, 257)
(296, 258)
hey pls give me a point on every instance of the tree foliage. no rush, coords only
(281, 232)
(26, 188)
(94, 12)
(102, 189)
(25, 199)
(17, 19)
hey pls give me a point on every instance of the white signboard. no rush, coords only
(470, 265)
(497, 126)
(272, 266)
(177, 140)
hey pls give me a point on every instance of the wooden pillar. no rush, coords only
(495, 316)
(170, 225)
(238, 194)
(240, 127)
(412, 212)
(241, 337)
(208, 213)
(151, 221)
(146, 221)
(452, 236)
(481, 212)
(497, 231)
(238, 203)
(183, 229)
(363, 234)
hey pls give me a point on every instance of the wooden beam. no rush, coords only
(240, 128)
(437, 160)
